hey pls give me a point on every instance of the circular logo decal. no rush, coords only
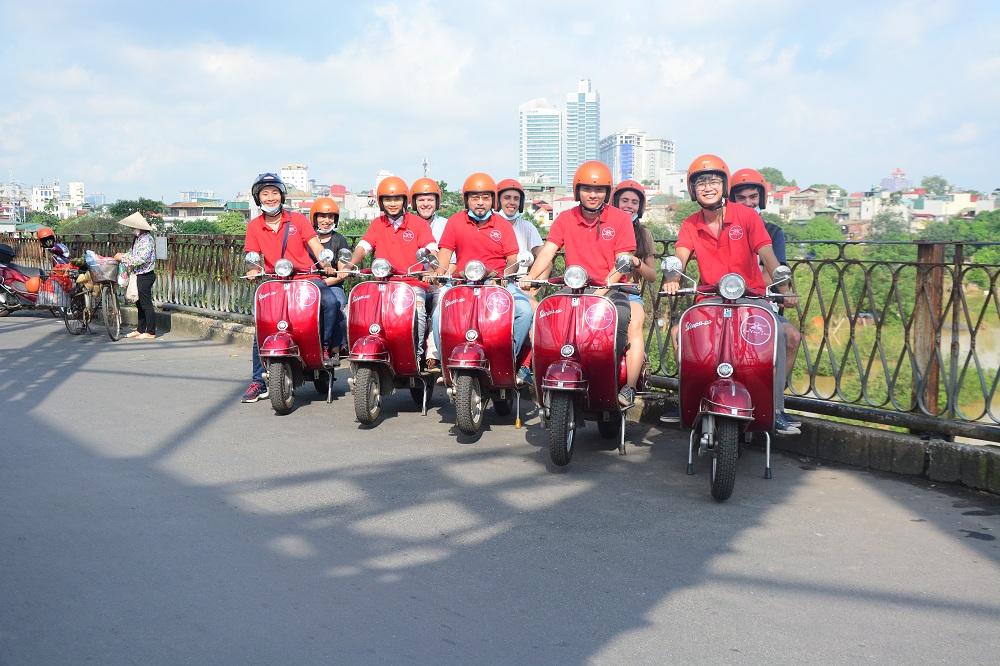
(306, 296)
(292, 230)
(735, 233)
(498, 303)
(408, 236)
(756, 329)
(607, 233)
(495, 235)
(599, 316)
(402, 296)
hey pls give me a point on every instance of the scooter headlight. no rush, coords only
(732, 286)
(381, 268)
(475, 271)
(575, 277)
(283, 268)
(725, 370)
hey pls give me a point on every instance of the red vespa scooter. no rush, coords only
(477, 332)
(577, 373)
(19, 285)
(286, 314)
(729, 350)
(381, 326)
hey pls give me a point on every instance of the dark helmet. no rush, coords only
(265, 180)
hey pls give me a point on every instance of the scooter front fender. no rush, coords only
(566, 375)
(469, 355)
(279, 344)
(729, 398)
(370, 348)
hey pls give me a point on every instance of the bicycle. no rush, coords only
(84, 304)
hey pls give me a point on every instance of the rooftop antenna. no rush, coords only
(425, 167)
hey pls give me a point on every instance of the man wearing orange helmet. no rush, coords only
(396, 236)
(726, 239)
(425, 198)
(510, 206)
(477, 233)
(593, 235)
(325, 217)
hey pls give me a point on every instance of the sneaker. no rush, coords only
(331, 357)
(795, 423)
(626, 396)
(523, 375)
(430, 365)
(783, 427)
(256, 391)
(671, 414)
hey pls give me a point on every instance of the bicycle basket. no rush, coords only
(103, 271)
(52, 295)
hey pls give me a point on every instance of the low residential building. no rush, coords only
(181, 211)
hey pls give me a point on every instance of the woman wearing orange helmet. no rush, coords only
(325, 217)
(593, 235)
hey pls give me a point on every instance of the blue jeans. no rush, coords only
(341, 296)
(522, 317)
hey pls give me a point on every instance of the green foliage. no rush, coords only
(684, 209)
(827, 187)
(352, 227)
(889, 225)
(44, 219)
(774, 176)
(231, 222)
(773, 218)
(198, 226)
(51, 205)
(92, 223)
(149, 208)
(935, 184)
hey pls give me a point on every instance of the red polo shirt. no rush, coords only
(593, 245)
(734, 251)
(261, 239)
(489, 242)
(399, 244)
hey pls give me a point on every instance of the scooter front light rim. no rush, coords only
(283, 268)
(725, 370)
(381, 268)
(475, 270)
(732, 286)
(575, 277)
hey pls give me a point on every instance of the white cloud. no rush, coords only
(965, 133)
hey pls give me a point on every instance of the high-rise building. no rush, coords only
(632, 154)
(76, 193)
(296, 176)
(583, 127)
(540, 136)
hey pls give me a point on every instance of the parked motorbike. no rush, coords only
(477, 333)
(577, 372)
(381, 328)
(286, 314)
(19, 285)
(729, 357)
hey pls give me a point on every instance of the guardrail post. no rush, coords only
(927, 320)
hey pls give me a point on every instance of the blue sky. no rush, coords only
(138, 99)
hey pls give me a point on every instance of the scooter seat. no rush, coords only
(28, 270)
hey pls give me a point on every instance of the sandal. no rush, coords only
(133, 334)
(430, 364)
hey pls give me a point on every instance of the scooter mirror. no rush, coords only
(326, 256)
(671, 264)
(623, 264)
(781, 274)
(525, 258)
(344, 255)
(253, 258)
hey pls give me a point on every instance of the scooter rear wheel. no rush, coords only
(562, 428)
(468, 403)
(367, 395)
(723, 478)
(280, 387)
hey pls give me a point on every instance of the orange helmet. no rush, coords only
(480, 182)
(592, 173)
(324, 205)
(33, 284)
(750, 178)
(635, 187)
(708, 164)
(425, 186)
(510, 184)
(392, 186)
(44, 232)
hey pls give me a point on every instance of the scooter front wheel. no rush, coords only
(468, 403)
(727, 436)
(367, 395)
(280, 388)
(562, 428)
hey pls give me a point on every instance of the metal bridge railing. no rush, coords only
(899, 333)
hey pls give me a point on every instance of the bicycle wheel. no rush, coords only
(109, 310)
(73, 315)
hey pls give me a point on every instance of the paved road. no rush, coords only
(148, 517)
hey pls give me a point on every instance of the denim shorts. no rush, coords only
(634, 298)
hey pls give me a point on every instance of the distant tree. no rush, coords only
(827, 187)
(648, 182)
(821, 227)
(352, 227)
(773, 218)
(774, 176)
(231, 222)
(51, 205)
(888, 225)
(150, 209)
(92, 223)
(685, 209)
(44, 219)
(935, 184)
(198, 226)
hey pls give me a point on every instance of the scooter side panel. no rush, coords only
(303, 321)
(489, 310)
(399, 324)
(363, 309)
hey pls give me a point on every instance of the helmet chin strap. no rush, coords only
(716, 206)
(592, 210)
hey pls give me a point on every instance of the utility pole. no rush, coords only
(425, 167)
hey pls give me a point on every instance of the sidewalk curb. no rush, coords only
(975, 466)
(195, 326)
